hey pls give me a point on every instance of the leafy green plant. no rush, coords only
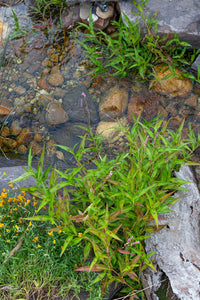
(30, 260)
(109, 207)
(128, 52)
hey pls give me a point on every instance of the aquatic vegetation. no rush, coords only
(108, 207)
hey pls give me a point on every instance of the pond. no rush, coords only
(46, 94)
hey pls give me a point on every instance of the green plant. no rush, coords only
(109, 207)
(31, 265)
(128, 52)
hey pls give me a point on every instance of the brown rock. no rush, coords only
(55, 114)
(5, 131)
(114, 103)
(55, 79)
(35, 148)
(172, 87)
(9, 143)
(145, 103)
(25, 136)
(43, 84)
(192, 100)
(22, 149)
(20, 90)
(38, 137)
(105, 14)
(5, 107)
(109, 130)
(47, 63)
(15, 128)
(51, 148)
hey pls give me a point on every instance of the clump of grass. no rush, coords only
(30, 255)
(108, 208)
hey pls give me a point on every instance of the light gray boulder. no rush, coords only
(177, 246)
(177, 16)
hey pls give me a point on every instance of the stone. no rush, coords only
(144, 103)
(114, 103)
(43, 84)
(22, 149)
(109, 132)
(55, 78)
(196, 64)
(177, 245)
(173, 16)
(85, 10)
(15, 127)
(105, 14)
(9, 143)
(55, 114)
(5, 131)
(25, 136)
(171, 87)
(4, 31)
(36, 149)
(191, 101)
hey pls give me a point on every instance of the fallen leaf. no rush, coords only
(13, 251)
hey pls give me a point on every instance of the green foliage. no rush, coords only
(109, 207)
(128, 51)
(30, 260)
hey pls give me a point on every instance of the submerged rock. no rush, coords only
(178, 86)
(55, 114)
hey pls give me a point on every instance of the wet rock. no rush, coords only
(172, 17)
(15, 127)
(80, 106)
(146, 104)
(5, 131)
(70, 15)
(5, 107)
(109, 132)
(55, 79)
(9, 143)
(43, 84)
(51, 148)
(191, 101)
(114, 103)
(177, 246)
(55, 114)
(35, 148)
(172, 87)
(20, 90)
(25, 136)
(38, 137)
(196, 64)
(22, 149)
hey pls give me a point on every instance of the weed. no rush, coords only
(109, 207)
(129, 52)
(30, 255)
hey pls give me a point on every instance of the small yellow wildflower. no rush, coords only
(7, 230)
(27, 202)
(4, 190)
(61, 247)
(20, 220)
(1, 225)
(8, 241)
(35, 239)
(90, 289)
(14, 208)
(4, 173)
(27, 229)
(80, 234)
(17, 234)
(39, 246)
(54, 241)
(50, 233)
(24, 193)
(11, 185)
(35, 203)
(29, 224)
(9, 200)
(59, 231)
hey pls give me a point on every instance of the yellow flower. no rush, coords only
(1, 225)
(61, 247)
(90, 289)
(27, 229)
(27, 202)
(11, 185)
(50, 233)
(7, 230)
(39, 246)
(20, 220)
(4, 173)
(35, 239)
(80, 234)
(14, 208)
(54, 241)
(8, 241)
(59, 231)
(35, 203)
(4, 190)
(29, 224)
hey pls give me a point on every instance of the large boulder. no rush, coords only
(181, 17)
(177, 246)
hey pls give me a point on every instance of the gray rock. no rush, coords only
(11, 174)
(177, 16)
(178, 244)
(196, 64)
